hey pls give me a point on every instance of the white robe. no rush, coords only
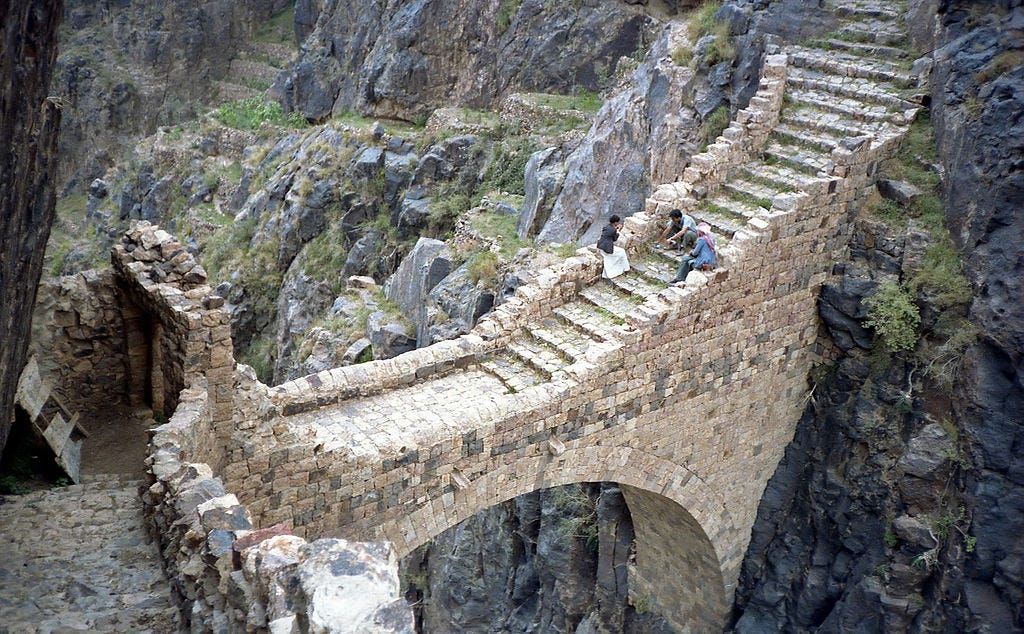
(615, 264)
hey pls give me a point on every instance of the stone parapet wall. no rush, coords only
(746, 134)
(549, 288)
(229, 576)
(189, 327)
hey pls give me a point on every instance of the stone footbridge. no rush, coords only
(684, 394)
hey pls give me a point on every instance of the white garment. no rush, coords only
(615, 264)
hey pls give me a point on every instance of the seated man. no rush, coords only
(681, 231)
(702, 258)
(615, 261)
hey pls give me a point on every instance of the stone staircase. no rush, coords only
(849, 90)
(78, 558)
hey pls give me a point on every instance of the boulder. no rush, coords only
(927, 453)
(349, 588)
(389, 335)
(462, 300)
(362, 255)
(545, 172)
(368, 164)
(900, 191)
(428, 263)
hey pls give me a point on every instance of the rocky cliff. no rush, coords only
(126, 67)
(549, 561)
(29, 124)
(404, 58)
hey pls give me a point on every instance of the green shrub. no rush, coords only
(507, 169)
(941, 276)
(1001, 64)
(681, 55)
(713, 126)
(325, 255)
(250, 114)
(894, 317)
(501, 226)
(482, 266)
(260, 356)
(721, 48)
(702, 21)
(10, 485)
(506, 11)
(445, 210)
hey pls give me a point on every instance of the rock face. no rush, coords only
(984, 189)
(122, 71)
(640, 134)
(550, 561)
(403, 58)
(28, 133)
(882, 517)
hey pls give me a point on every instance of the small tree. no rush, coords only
(894, 317)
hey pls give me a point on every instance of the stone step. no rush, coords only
(726, 215)
(273, 54)
(229, 92)
(801, 159)
(752, 193)
(247, 72)
(836, 124)
(589, 318)
(850, 108)
(863, 90)
(660, 265)
(544, 358)
(514, 373)
(855, 8)
(807, 137)
(608, 298)
(847, 65)
(869, 50)
(563, 335)
(783, 177)
(638, 284)
(873, 31)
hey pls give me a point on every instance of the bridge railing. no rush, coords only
(549, 288)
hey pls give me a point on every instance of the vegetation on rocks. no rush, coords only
(894, 316)
(250, 114)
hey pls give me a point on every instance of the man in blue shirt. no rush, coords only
(703, 256)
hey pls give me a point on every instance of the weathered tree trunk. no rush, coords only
(28, 156)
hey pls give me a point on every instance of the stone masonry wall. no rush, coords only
(229, 576)
(189, 327)
(79, 339)
(234, 578)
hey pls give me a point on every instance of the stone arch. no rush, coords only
(684, 531)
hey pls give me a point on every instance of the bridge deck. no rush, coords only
(403, 417)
